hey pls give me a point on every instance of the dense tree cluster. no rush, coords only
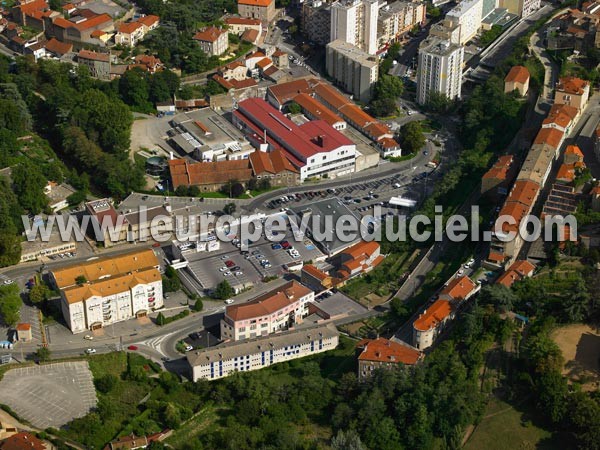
(142, 91)
(87, 123)
(10, 304)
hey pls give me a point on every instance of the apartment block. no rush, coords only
(243, 356)
(440, 70)
(355, 22)
(522, 8)
(352, 68)
(467, 15)
(397, 19)
(315, 21)
(100, 292)
(269, 313)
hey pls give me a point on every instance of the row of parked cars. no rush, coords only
(62, 255)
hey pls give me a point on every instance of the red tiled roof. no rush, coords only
(500, 169)
(263, 3)
(97, 33)
(272, 162)
(242, 84)
(210, 34)
(241, 21)
(566, 173)
(22, 441)
(317, 109)
(435, 314)
(184, 173)
(129, 27)
(572, 85)
(518, 270)
(353, 113)
(569, 110)
(285, 92)
(92, 22)
(459, 288)
(265, 62)
(95, 56)
(384, 350)
(573, 150)
(35, 5)
(378, 130)
(222, 81)
(496, 256)
(250, 35)
(313, 271)
(517, 74)
(23, 327)
(303, 141)
(524, 192)
(149, 20)
(57, 47)
(361, 249)
(550, 136)
(331, 95)
(268, 303)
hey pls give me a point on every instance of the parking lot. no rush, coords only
(50, 395)
(362, 197)
(246, 269)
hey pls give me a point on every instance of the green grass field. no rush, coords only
(506, 428)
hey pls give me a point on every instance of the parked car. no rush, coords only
(87, 337)
(189, 348)
(229, 263)
(90, 351)
(133, 348)
(229, 301)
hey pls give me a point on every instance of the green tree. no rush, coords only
(438, 102)
(10, 303)
(198, 305)
(294, 108)
(106, 383)
(39, 293)
(43, 354)
(347, 440)
(28, 185)
(383, 107)
(412, 138)
(264, 184)
(223, 290)
(388, 86)
(80, 279)
(498, 295)
(160, 319)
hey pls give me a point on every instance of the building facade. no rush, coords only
(355, 22)
(269, 313)
(397, 19)
(431, 323)
(572, 91)
(440, 70)
(98, 63)
(244, 356)
(315, 21)
(467, 15)
(517, 79)
(384, 354)
(522, 8)
(264, 10)
(353, 69)
(109, 290)
(213, 41)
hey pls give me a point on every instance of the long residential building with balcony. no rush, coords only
(269, 313)
(108, 290)
(223, 360)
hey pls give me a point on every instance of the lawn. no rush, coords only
(193, 428)
(505, 428)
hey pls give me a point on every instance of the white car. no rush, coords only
(229, 301)
(239, 273)
(189, 348)
(87, 337)
(223, 269)
(8, 281)
(460, 272)
(90, 351)
(226, 274)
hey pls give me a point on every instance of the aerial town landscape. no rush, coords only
(385, 213)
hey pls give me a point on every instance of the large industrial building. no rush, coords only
(315, 148)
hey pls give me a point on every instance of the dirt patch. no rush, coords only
(580, 346)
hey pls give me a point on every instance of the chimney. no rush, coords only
(321, 140)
